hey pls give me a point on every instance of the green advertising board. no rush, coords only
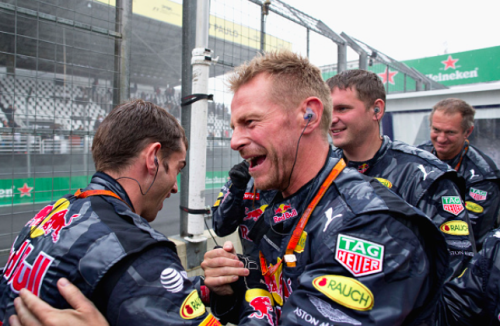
(476, 66)
(469, 67)
(43, 190)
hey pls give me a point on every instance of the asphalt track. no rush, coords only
(13, 218)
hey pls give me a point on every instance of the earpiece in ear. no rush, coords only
(309, 114)
(377, 109)
(156, 161)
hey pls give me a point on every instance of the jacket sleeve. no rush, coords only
(472, 298)
(442, 203)
(482, 205)
(370, 270)
(155, 290)
(228, 210)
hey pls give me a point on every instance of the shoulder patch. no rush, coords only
(455, 228)
(385, 182)
(478, 194)
(452, 204)
(210, 321)
(172, 280)
(359, 256)
(345, 291)
(192, 306)
(473, 207)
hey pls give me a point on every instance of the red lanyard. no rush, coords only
(88, 193)
(299, 228)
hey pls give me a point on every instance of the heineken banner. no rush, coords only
(41, 190)
(476, 66)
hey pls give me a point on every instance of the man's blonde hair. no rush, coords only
(293, 77)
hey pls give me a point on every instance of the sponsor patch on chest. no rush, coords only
(359, 256)
(478, 194)
(346, 291)
(452, 204)
(455, 228)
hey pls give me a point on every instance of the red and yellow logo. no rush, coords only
(192, 306)
(473, 207)
(455, 228)
(210, 321)
(385, 182)
(346, 291)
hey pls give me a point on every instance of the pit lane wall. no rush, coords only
(407, 115)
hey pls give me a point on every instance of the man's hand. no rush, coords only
(32, 311)
(222, 267)
(239, 175)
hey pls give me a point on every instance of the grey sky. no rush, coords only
(411, 29)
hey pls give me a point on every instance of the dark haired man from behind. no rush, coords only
(452, 122)
(100, 239)
(419, 178)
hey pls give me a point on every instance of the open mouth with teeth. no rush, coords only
(256, 160)
(336, 130)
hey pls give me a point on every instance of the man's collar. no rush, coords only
(105, 180)
(363, 166)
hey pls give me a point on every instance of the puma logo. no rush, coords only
(421, 168)
(329, 218)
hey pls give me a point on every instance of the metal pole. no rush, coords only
(263, 13)
(363, 61)
(188, 44)
(123, 20)
(308, 41)
(341, 58)
(198, 134)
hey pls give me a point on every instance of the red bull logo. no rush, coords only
(25, 275)
(51, 221)
(262, 302)
(282, 213)
(363, 167)
(255, 214)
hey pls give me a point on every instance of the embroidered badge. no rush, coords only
(452, 204)
(478, 194)
(346, 291)
(359, 256)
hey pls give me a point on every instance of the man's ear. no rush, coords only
(469, 132)
(311, 113)
(151, 157)
(378, 109)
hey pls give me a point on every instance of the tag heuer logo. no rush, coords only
(478, 194)
(359, 256)
(452, 204)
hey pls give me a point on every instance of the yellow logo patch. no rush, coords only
(473, 207)
(219, 197)
(210, 321)
(302, 242)
(251, 294)
(192, 306)
(385, 182)
(455, 228)
(345, 291)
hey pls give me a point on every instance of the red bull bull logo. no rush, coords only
(20, 274)
(284, 212)
(51, 220)
(255, 214)
(262, 302)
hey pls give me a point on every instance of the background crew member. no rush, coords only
(419, 178)
(452, 122)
